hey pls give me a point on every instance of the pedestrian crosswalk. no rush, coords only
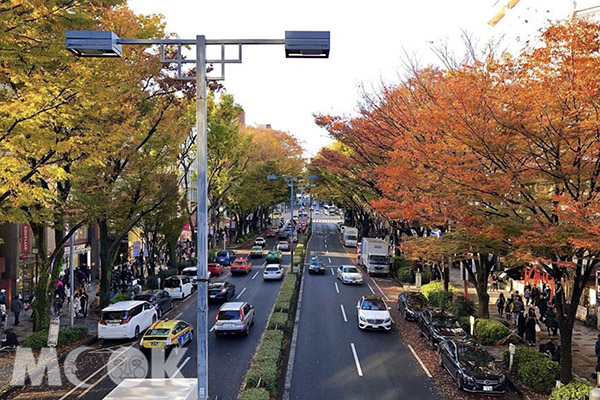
(327, 221)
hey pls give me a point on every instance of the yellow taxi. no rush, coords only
(256, 251)
(167, 334)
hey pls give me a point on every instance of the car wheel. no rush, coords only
(440, 361)
(247, 330)
(431, 342)
(154, 318)
(459, 382)
(136, 335)
(160, 312)
(191, 337)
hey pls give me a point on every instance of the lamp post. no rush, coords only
(298, 44)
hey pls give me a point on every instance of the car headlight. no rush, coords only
(502, 378)
(363, 319)
(387, 320)
(168, 341)
(469, 379)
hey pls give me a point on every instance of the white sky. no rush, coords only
(368, 41)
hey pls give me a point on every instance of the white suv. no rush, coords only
(126, 319)
(235, 317)
(349, 274)
(373, 313)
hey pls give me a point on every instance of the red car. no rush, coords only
(215, 269)
(271, 233)
(241, 265)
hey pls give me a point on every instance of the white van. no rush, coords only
(179, 286)
(126, 319)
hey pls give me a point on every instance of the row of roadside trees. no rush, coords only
(500, 152)
(110, 142)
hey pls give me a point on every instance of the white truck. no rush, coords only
(349, 236)
(375, 256)
(156, 389)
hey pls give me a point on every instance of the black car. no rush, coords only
(160, 299)
(436, 325)
(410, 304)
(316, 266)
(472, 368)
(220, 290)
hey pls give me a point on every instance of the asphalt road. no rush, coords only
(229, 357)
(336, 360)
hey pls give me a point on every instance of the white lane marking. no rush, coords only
(177, 316)
(178, 370)
(212, 329)
(325, 245)
(242, 292)
(371, 289)
(255, 275)
(344, 313)
(329, 258)
(226, 275)
(332, 273)
(356, 361)
(94, 374)
(420, 362)
(378, 287)
(337, 289)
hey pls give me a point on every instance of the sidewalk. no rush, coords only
(584, 338)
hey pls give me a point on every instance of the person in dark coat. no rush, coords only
(597, 351)
(542, 304)
(500, 303)
(551, 323)
(16, 307)
(521, 327)
(530, 324)
(11, 339)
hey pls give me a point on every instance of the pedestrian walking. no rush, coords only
(517, 308)
(77, 305)
(2, 302)
(521, 324)
(597, 351)
(551, 323)
(16, 307)
(495, 283)
(542, 305)
(501, 303)
(83, 300)
(527, 295)
(508, 308)
(531, 327)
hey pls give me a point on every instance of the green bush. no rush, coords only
(399, 262)
(212, 255)
(440, 299)
(571, 391)
(403, 275)
(278, 320)
(437, 286)
(489, 331)
(66, 336)
(255, 394)
(462, 307)
(270, 347)
(425, 277)
(165, 273)
(534, 369)
(123, 296)
(265, 373)
(465, 322)
(152, 282)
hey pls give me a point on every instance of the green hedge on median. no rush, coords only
(66, 336)
(278, 321)
(489, 331)
(255, 394)
(534, 369)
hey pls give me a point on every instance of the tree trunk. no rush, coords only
(446, 270)
(105, 263)
(483, 297)
(43, 291)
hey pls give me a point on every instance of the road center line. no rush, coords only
(378, 287)
(242, 292)
(337, 289)
(255, 275)
(343, 313)
(420, 362)
(332, 273)
(356, 361)
(371, 289)
(178, 370)
(329, 258)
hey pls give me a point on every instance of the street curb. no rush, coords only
(290, 365)
(11, 389)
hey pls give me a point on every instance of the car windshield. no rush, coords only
(316, 261)
(257, 248)
(222, 254)
(115, 315)
(273, 253)
(239, 262)
(172, 283)
(373, 305)
(379, 259)
(228, 315)
(351, 270)
(144, 297)
(474, 355)
(216, 285)
(446, 322)
(350, 237)
(283, 243)
(271, 269)
(189, 272)
(158, 332)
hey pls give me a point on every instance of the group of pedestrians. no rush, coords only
(521, 311)
(62, 294)
(16, 306)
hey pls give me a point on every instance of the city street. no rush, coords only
(228, 356)
(334, 359)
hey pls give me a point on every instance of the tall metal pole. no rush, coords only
(202, 222)
(71, 280)
(292, 221)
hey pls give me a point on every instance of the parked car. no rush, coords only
(283, 245)
(225, 257)
(220, 290)
(126, 319)
(349, 274)
(316, 266)
(167, 334)
(260, 241)
(215, 269)
(436, 324)
(192, 272)
(241, 265)
(256, 251)
(373, 313)
(179, 286)
(273, 272)
(161, 300)
(233, 318)
(410, 304)
(274, 257)
(472, 368)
